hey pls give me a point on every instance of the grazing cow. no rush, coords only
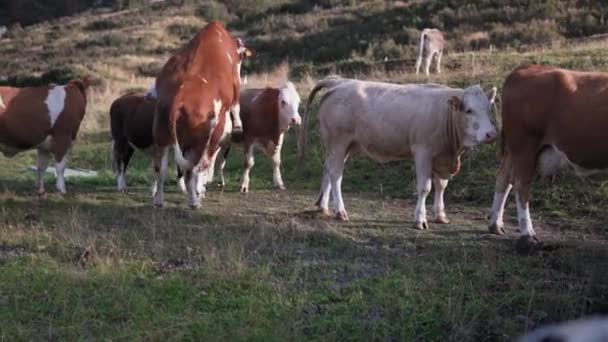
(592, 329)
(551, 118)
(46, 118)
(267, 114)
(429, 123)
(196, 89)
(431, 44)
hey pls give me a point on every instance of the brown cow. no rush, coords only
(46, 118)
(551, 118)
(131, 120)
(267, 114)
(196, 89)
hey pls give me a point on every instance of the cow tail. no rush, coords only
(174, 112)
(327, 82)
(422, 38)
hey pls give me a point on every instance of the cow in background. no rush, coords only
(431, 45)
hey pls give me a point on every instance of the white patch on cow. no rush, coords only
(2, 103)
(238, 71)
(203, 79)
(590, 329)
(523, 217)
(55, 102)
(288, 102)
(180, 160)
(498, 207)
(181, 184)
(245, 79)
(217, 106)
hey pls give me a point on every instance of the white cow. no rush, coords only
(431, 44)
(429, 123)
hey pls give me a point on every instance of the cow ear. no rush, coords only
(491, 94)
(456, 104)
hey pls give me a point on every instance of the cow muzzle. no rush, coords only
(489, 137)
(296, 121)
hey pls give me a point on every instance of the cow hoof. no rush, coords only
(527, 245)
(244, 189)
(281, 187)
(422, 225)
(158, 205)
(123, 190)
(442, 219)
(342, 216)
(496, 229)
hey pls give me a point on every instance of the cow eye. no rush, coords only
(469, 111)
(283, 103)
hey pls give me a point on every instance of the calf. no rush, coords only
(45, 118)
(267, 114)
(431, 44)
(429, 123)
(551, 118)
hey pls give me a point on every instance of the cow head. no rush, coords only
(289, 101)
(475, 107)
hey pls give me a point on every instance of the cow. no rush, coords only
(552, 118)
(131, 120)
(429, 123)
(45, 118)
(590, 329)
(267, 114)
(431, 44)
(196, 89)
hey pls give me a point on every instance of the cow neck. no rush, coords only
(454, 133)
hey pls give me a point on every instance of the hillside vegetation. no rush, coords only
(96, 264)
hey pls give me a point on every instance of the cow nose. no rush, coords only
(490, 136)
(295, 121)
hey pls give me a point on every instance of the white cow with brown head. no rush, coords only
(429, 123)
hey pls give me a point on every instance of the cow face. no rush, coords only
(289, 101)
(476, 107)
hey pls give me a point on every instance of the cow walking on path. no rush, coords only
(429, 123)
(45, 118)
(551, 118)
(431, 45)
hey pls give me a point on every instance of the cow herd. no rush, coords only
(551, 118)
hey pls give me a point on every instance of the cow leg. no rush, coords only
(237, 124)
(427, 63)
(276, 165)
(438, 205)
(423, 162)
(181, 183)
(192, 178)
(121, 170)
(249, 162)
(160, 168)
(524, 167)
(336, 170)
(323, 198)
(61, 146)
(419, 62)
(42, 164)
(222, 164)
(439, 55)
(501, 193)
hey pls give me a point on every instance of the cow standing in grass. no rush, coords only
(197, 88)
(552, 118)
(267, 114)
(429, 123)
(431, 45)
(45, 118)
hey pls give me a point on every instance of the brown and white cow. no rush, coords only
(431, 45)
(196, 89)
(267, 114)
(45, 118)
(551, 118)
(429, 123)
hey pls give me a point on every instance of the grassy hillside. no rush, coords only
(96, 264)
